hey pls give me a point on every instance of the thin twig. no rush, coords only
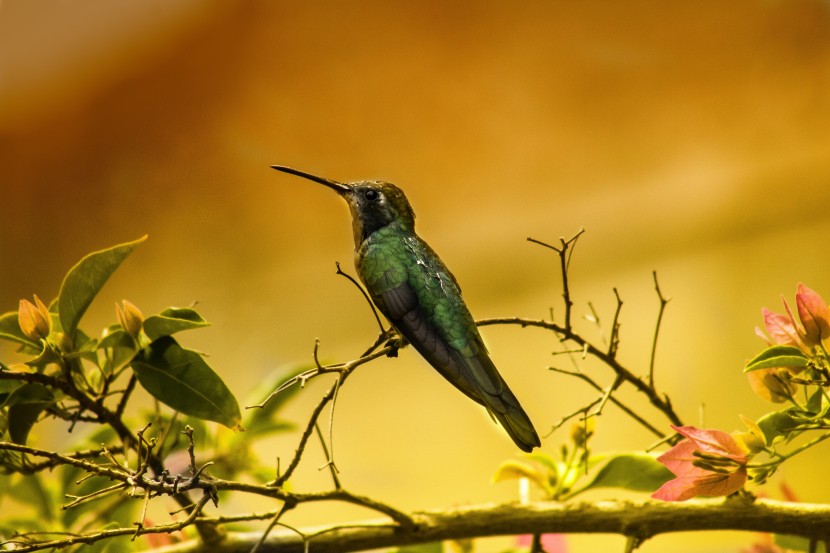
(329, 459)
(614, 342)
(627, 410)
(663, 302)
(343, 370)
(564, 262)
(77, 500)
(191, 448)
(662, 403)
(122, 403)
(274, 520)
(362, 291)
(111, 533)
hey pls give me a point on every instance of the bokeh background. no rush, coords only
(688, 138)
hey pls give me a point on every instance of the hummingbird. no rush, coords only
(420, 297)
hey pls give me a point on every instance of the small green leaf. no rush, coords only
(817, 406)
(25, 405)
(778, 356)
(29, 393)
(83, 282)
(10, 330)
(797, 543)
(779, 424)
(172, 320)
(122, 348)
(639, 472)
(545, 460)
(116, 338)
(182, 379)
(513, 470)
(4, 427)
(432, 547)
(31, 489)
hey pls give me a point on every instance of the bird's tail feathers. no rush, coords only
(520, 429)
(507, 410)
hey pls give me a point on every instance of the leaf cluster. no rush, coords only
(66, 376)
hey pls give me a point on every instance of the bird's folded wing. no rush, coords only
(469, 371)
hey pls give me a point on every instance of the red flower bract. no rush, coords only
(814, 315)
(707, 462)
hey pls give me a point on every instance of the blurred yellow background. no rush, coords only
(688, 138)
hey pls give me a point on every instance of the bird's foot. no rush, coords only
(394, 343)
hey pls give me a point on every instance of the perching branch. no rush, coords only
(638, 520)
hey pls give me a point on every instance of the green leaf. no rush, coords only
(545, 460)
(797, 543)
(432, 547)
(25, 404)
(779, 424)
(182, 379)
(122, 348)
(83, 282)
(778, 356)
(31, 489)
(172, 320)
(10, 330)
(817, 406)
(29, 393)
(639, 472)
(514, 470)
(22, 417)
(117, 338)
(4, 427)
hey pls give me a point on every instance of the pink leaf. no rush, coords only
(713, 442)
(814, 314)
(780, 327)
(688, 461)
(679, 459)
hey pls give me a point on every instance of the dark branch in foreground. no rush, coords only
(637, 520)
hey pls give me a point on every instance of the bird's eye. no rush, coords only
(371, 194)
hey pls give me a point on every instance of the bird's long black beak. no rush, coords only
(338, 187)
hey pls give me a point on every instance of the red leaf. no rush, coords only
(814, 314)
(781, 328)
(703, 446)
(714, 442)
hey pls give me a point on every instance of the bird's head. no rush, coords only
(373, 204)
